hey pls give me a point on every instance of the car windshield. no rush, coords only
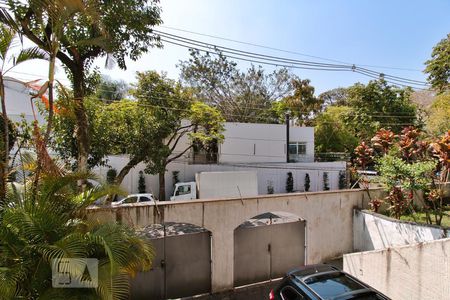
(327, 285)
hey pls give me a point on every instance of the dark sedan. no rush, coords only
(320, 282)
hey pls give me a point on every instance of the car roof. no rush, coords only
(138, 195)
(314, 277)
(311, 269)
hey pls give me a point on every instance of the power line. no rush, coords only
(278, 61)
(285, 51)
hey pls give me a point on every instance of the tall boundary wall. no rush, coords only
(414, 272)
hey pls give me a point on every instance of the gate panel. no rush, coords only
(267, 251)
(188, 265)
(251, 255)
(288, 247)
(150, 284)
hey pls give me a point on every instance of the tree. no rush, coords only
(302, 104)
(186, 122)
(438, 121)
(51, 224)
(8, 39)
(438, 67)
(331, 133)
(111, 90)
(335, 97)
(115, 33)
(121, 127)
(378, 105)
(239, 96)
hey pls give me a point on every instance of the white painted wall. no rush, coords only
(373, 231)
(255, 143)
(17, 96)
(414, 272)
(266, 173)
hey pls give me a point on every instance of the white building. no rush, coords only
(246, 146)
(18, 100)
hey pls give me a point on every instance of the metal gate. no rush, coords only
(267, 251)
(181, 268)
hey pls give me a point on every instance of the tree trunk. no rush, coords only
(5, 155)
(81, 129)
(162, 186)
(126, 169)
(51, 79)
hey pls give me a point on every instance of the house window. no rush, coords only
(297, 148)
(297, 151)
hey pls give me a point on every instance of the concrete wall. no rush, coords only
(328, 216)
(255, 143)
(414, 272)
(373, 231)
(268, 174)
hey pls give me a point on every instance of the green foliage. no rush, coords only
(438, 121)
(331, 133)
(111, 175)
(326, 182)
(438, 67)
(40, 225)
(289, 183)
(111, 90)
(335, 97)
(302, 104)
(141, 183)
(240, 96)
(270, 189)
(378, 105)
(342, 180)
(307, 182)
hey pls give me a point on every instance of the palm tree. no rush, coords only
(9, 40)
(34, 229)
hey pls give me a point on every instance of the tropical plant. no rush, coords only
(49, 223)
(8, 61)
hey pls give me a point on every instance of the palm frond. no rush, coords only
(31, 53)
(6, 41)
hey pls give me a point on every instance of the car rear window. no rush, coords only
(330, 286)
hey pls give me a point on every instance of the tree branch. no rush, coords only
(178, 155)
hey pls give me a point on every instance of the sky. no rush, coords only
(391, 37)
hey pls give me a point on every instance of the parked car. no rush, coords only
(134, 198)
(318, 282)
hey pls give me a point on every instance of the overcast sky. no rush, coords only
(386, 33)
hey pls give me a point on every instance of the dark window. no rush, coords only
(130, 200)
(144, 199)
(328, 286)
(183, 190)
(289, 293)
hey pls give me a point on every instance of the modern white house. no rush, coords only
(271, 150)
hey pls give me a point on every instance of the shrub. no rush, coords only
(289, 183)
(307, 182)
